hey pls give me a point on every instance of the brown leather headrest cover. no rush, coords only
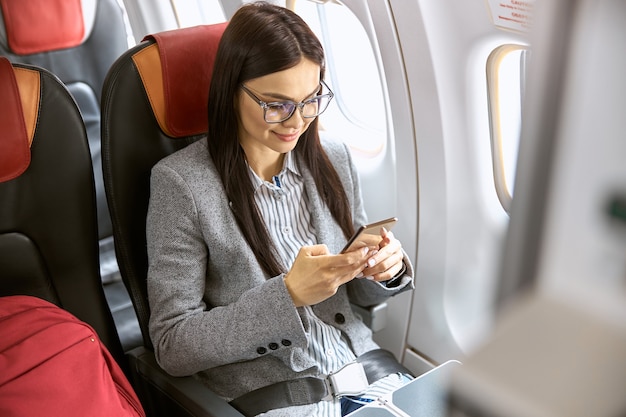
(176, 73)
(19, 105)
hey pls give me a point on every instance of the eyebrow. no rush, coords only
(283, 97)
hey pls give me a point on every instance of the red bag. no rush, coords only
(52, 364)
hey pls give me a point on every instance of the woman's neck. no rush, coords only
(266, 168)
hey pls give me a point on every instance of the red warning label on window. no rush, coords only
(515, 15)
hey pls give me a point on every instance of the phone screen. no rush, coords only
(369, 234)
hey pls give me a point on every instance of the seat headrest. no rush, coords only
(36, 26)
(176, 73)
(19, 106)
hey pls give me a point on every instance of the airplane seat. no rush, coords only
(78, 41)
(154, 102)
(48, 221)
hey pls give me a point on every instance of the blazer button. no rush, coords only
(273, 346)
(261, 350)
(286, 342)
(339, 318)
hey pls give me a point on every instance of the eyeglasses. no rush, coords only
(279, 111)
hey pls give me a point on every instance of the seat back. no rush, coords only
(154, 102)
(48, 223)
(77, 40)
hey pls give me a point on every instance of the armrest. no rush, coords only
(164, 395)
(374, 317)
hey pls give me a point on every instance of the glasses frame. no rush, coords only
(265, 105)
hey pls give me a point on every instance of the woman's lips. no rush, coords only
(287, 137)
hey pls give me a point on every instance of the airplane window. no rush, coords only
(198, 12)
(358, 116)
(505, 84)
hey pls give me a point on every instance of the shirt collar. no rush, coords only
(290, 164)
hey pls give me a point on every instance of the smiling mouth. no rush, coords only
(288, 137)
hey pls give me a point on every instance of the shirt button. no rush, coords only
(330, 352)
(339, 318)
(273, 346)
(286, 342)
(261, 350)
(286, 230)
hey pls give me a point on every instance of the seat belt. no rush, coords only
(376, 364)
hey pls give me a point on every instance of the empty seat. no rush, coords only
(77, 40)
(48, 224)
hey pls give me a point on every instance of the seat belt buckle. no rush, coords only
(349, 380)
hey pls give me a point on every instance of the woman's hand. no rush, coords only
(316, 274)
(384, 264)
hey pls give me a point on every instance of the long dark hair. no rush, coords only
(261, 39)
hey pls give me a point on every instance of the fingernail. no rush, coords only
(360, 275)
(365, 250)
(369, 278)
(371, 262)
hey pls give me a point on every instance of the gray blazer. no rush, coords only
(214, 312)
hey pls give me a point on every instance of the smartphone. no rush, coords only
(368, 234)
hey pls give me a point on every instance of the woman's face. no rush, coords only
(264, 143)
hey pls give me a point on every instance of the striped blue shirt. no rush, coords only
(284, 209)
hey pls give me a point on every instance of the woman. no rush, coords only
(245, 282)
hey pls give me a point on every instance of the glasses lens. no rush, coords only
(315, 106)
(277, 112)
